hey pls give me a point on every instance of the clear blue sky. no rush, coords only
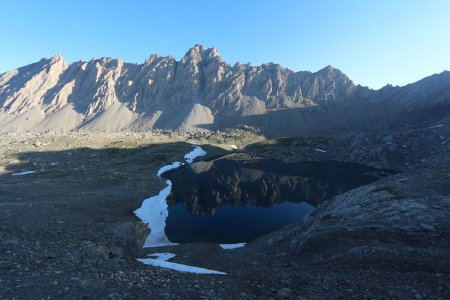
(374, 42)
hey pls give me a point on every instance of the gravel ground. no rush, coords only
(68, 231)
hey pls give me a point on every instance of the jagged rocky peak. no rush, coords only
(56, 58)
(336, 84)
(152, 58)
(48, 63)
(195, 50)
(107, 62)
(333, 73)
(156, 59)
(200, 53)
(328, 69)
(54, 64)
(213, 52)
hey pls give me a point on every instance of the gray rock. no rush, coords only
(12, 241)
(116, 252)
(130, 235)
(426, 227)
(286, 293)
(89, 250)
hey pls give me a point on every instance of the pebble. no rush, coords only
(286, 293)
(426, 227)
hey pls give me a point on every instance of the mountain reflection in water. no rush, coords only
(227, 200)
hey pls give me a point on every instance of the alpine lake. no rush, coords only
(232, 199)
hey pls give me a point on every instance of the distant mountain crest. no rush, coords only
(200, 90)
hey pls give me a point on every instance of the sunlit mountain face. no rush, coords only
(230, 200)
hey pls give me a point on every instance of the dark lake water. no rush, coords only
(229, 201)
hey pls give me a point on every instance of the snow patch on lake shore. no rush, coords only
(197, 152)
(154, 210)
(172, 166)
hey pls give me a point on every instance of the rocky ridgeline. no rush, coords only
(201, 90)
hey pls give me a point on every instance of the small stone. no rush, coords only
(83, 284)
(426, 227)
(116, 252)
(13, 241)
(96, 284)
(113, 296)
(294, 245)
(286, 293)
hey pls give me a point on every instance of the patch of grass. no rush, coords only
(113, 151)
(220, 139)
(238, 138)
(114, 179)
(390, 190)
(126, 144)
(286, 141)
(5, 268)
(327, 217)
(159, 158)
(264, 144)
(18, 290)
(239, 156)
(290, 141)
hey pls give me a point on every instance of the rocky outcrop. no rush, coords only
(390, 217)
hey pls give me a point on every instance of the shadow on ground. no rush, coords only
(82, 190)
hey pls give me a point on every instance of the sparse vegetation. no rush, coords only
(388, 189)
(326, 217)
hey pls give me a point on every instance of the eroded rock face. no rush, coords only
(24, 88)
(199, 86)
(200, 90)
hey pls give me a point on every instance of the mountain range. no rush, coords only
(203, 91)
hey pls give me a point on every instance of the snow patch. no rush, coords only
(162, 256)
(172, 166)
(161, 260)
(320, 150)
(23, 173)
(436, 126)
(234, 147)
(154, 212)
(232, 246)
(197, 152)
